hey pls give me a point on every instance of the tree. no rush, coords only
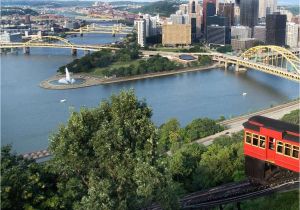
(26, 184)
(183, 164)
(111, 153)
(169, 133)
(201, 128)
(221, 164)
(292, 117)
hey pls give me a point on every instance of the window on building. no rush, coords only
(255, 140)
(287, 149)
(279, 147)
(295, 152)
(271, 143)
(262, 141)
(248, 137)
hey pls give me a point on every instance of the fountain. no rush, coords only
(67, 80)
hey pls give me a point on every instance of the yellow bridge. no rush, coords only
(59, 43)
(97, 29)
(269, 59)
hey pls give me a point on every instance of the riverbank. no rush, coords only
(94, 81)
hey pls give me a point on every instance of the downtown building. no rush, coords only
(292, 33)
(267, 7)
(276, 29)
(241, 32)
(227, 10)
(195, 15)
(249, 12)
(147, 26)
(218, 30)
(260, 33)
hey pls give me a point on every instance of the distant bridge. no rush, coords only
(96, 29)
(60, 43)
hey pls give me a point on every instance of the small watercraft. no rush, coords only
(244, 94)
(63, 100)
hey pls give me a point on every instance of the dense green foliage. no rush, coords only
(164, 8)
(154, 64)
(26, 184)
(196, 48)
(17, 11)
(101, 59)
(224, 49)
(171, 135)
(111, 152)
(293, 117)
(196, 167)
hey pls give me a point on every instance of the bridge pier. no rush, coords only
(86, 52)
(26, 50)
(74, 52)
(226, 65)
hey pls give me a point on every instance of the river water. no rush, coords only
(30, 114)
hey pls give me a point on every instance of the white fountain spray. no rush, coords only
(67, 80)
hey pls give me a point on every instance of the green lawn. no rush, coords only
(98, 71)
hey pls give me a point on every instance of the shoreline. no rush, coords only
(94, 80)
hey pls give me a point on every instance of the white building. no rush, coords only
(13, 37)
(180, 18)
(267, 7)
(292, 34)
(240, 32)
(141, 32)
(260, 33)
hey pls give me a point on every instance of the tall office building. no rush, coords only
(276, 29)
(292, 34)
(267, 7)
(249, 12)
(195, 18)
(205, 2)
(218, 23)
(141, 32)
(227, 10)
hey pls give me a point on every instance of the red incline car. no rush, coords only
(271, 147)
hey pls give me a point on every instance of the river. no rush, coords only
(30, 114)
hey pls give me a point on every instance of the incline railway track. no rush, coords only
(230, 193)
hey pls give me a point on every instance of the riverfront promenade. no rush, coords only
(233, 125)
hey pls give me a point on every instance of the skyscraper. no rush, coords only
(227, 10)
(141, 32)
(276, 29)
(195, 15)
(249, 12)
(205, 10)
